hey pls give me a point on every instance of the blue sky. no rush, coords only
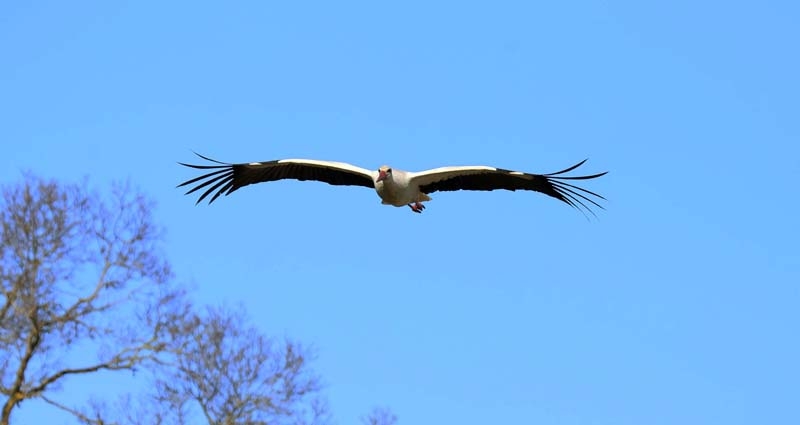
(679, 304)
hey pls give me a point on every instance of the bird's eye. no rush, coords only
(388, 170)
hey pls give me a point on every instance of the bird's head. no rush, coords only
(384, 173)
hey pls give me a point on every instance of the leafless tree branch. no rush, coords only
(80, 416)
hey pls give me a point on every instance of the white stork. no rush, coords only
(394, 187)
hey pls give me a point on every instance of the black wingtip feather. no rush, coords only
(593, 176)
(212, 160)
(567, 170)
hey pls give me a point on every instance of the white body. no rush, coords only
(397, 189)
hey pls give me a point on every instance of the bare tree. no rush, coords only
(220, 369)
(233, 374)
(380, 416)
(79, 272)
(82, 273)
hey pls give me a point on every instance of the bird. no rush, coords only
(394, 187)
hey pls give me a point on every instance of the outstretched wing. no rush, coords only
(490, 178)
(227, 178)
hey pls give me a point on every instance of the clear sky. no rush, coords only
(678, 305)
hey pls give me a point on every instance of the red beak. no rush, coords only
(381, 175)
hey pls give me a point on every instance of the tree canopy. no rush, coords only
(83, 271)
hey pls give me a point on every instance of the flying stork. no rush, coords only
(394, 187)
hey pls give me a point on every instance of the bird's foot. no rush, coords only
(416, 207)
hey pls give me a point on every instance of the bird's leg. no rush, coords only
(417, 207)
